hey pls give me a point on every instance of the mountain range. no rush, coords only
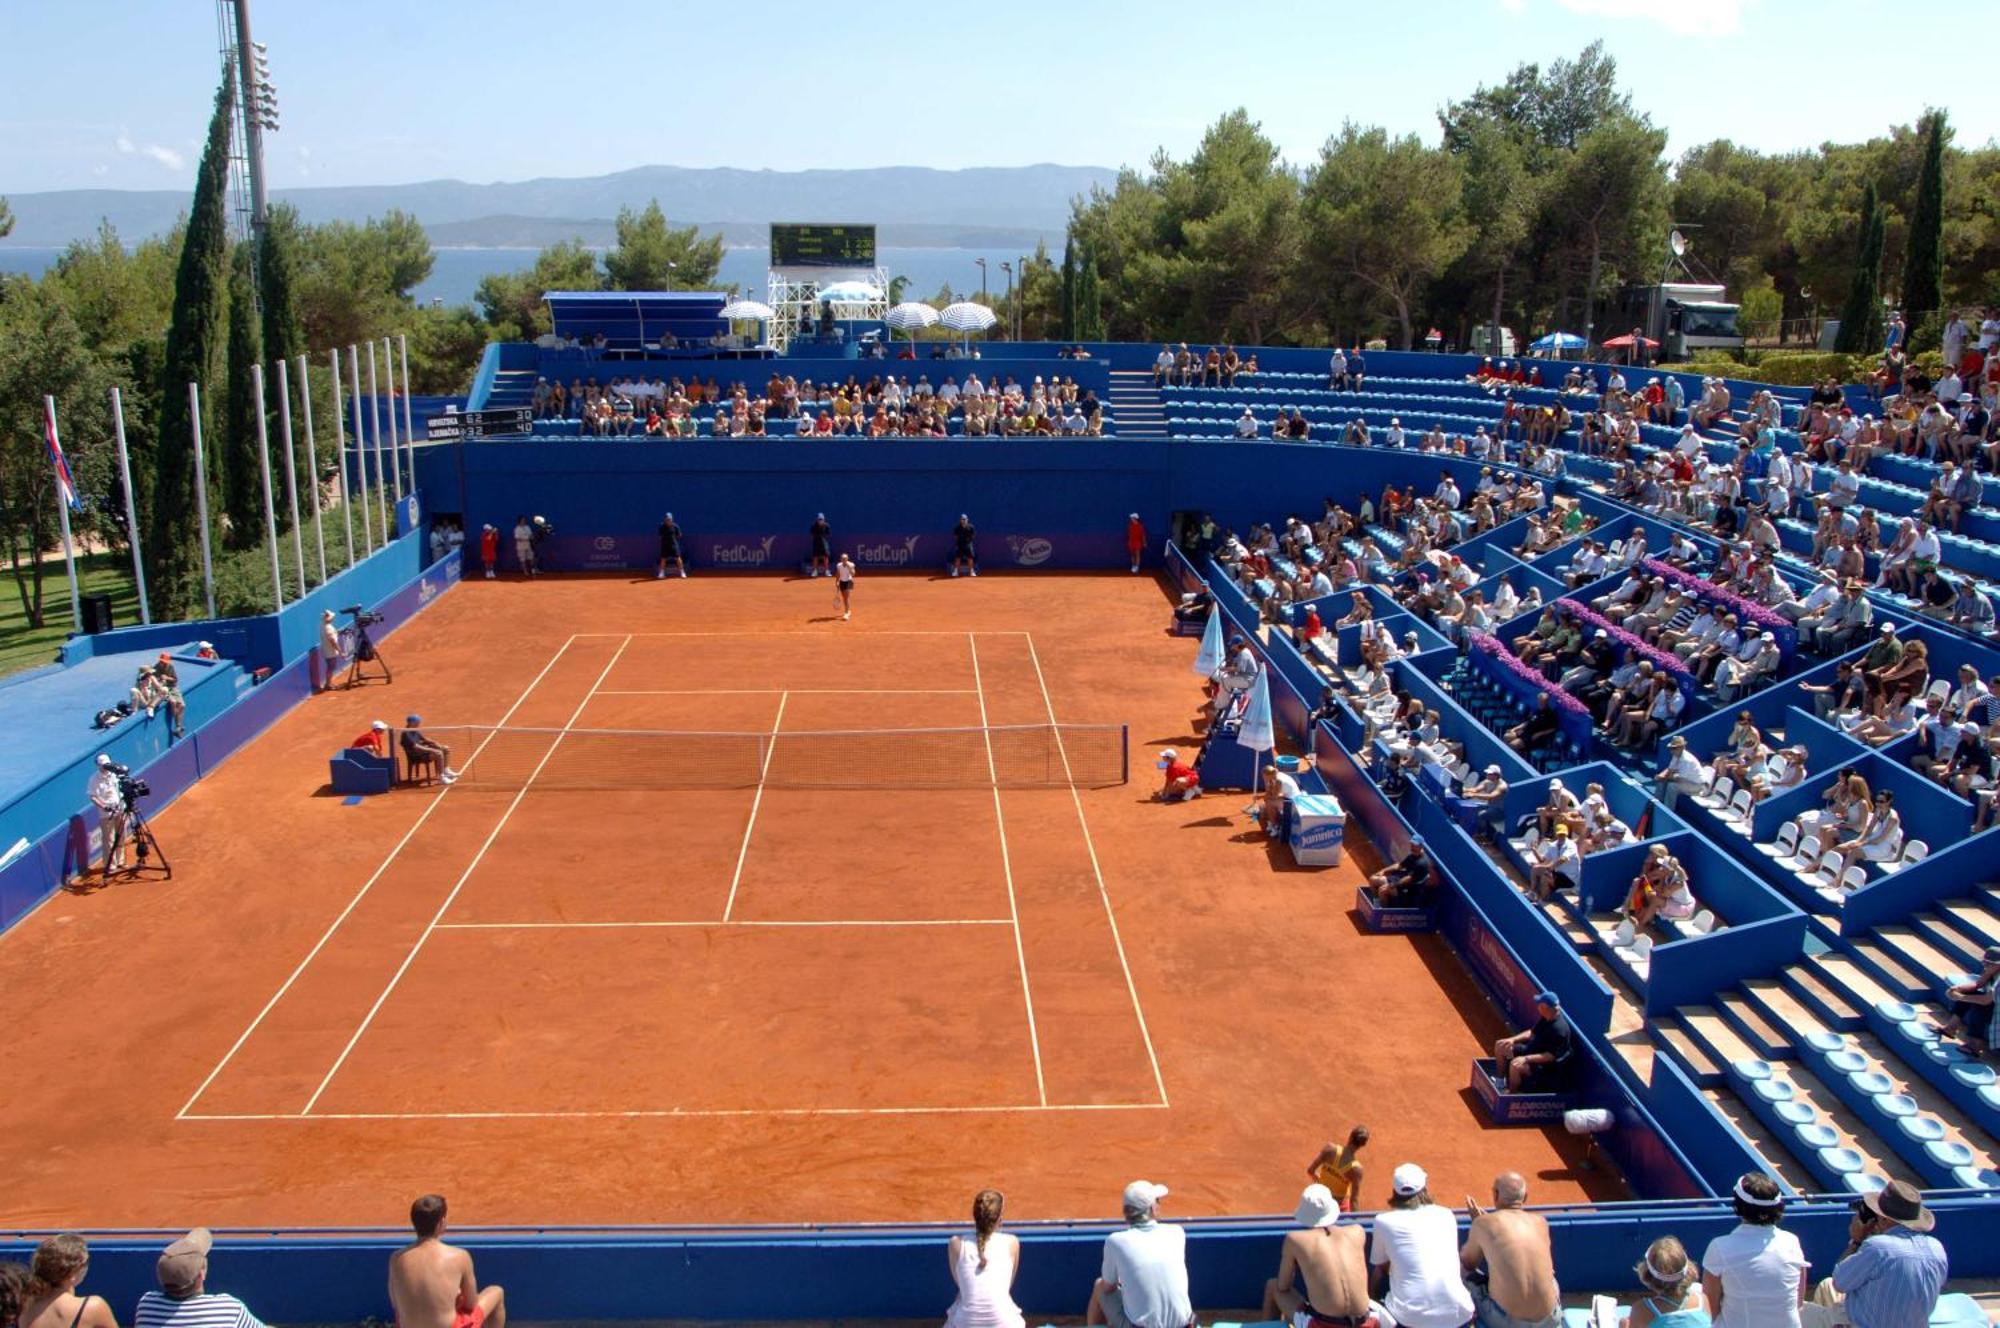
(913, 205)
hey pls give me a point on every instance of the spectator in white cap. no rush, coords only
(1414, 1254)
(1330, 1259)
(1181, 782)
(184, 1300)
(1144, 1280)
(329, 650)
(108, 796)
(1135, 539)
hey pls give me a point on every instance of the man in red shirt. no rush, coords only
(1181, 782)
(489, 549)
(1135, 537)
(375, 740)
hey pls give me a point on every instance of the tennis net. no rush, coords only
(1029, 756)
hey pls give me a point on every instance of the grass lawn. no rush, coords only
(25, 647)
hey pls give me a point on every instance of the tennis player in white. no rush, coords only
(843, 582)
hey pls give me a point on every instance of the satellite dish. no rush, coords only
(1678, 243)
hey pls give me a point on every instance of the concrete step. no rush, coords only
(1834, 1009)
(1856, 982)
(1768, 1041)
(1783, 1009)
(1889, 970)
(1960, 947)
(1679, 1044)
(1780, 1160)
(1918, 954)
(1717, 1036)
(1975, 918)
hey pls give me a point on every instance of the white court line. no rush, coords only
(756, 801)
(368, 885)
(1131, 988)
(691, 1113)
(792, 691)
(464, 876)
(797, 631)
(855, 922)
(1007, 869)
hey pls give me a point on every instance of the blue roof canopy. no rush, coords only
(636, 317)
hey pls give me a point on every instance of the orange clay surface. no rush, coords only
(721, 1006)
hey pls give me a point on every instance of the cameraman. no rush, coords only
(109, 798)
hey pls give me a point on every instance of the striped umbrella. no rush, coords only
(911, 316)
(966, 316)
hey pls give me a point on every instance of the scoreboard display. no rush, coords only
(811, 244)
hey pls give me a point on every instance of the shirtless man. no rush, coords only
(1331, 1258)
(431, 1283)
(1520, 1289)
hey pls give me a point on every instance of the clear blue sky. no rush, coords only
(115, 93)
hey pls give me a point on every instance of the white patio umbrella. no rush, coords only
(966, 316)
(910, 316)
(748, 311)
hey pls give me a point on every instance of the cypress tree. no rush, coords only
(1068, 287)
(194, 336)
(1089, 304)
(1861, 316)
(1923, 263)
(277, 275)
(242, 475)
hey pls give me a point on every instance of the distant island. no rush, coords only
(916, 207)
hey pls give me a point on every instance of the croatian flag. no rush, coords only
(65, 486)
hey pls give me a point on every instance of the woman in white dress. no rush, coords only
(983, 1264)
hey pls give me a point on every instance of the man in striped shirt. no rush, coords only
(183, 1300)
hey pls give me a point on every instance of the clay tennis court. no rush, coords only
(619, 980)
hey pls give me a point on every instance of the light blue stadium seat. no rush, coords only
(1974, 1075)
(1772, 1090)
(1794, 1113)
(1896, 1012)
(1750, 1069)
(1871, 1083)
(1847, 1061)
(1923, 1129)
(1916, 1030)
(1842, 1161)
(1823, 1042)
(1945, 1054)
(1976, 1178)
(1949, 1153)
(1896, 1106)
(1868, 1182)
(1817, 1135)
(1990, 1096)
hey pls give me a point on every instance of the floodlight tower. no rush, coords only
(256, 110)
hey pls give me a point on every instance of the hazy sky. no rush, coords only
(115, 93)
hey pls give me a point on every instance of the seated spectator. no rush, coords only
(1891, 1272)
(1269, 811)
(183, 1300)
(1338, 1167)
(1558, 864)
(1409, 882)
(984, 1266)
(1755, 1275)
(1477, 799)
(1672, 1296)
(432, 1285)
(375, 741)
(1181, 783)
(423, 754)
(1659, 890)
(1682, 774)
(1538, 730)
(1537, 1059)
(50, 1299)
(1414, 1255)
(1330, 1259)
(1969, 1006)
(1519, 1289)
(1144, 1281)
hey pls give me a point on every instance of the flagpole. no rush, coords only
(360, 446)
(409, 429)
(375, 444)
(395, 447)
(340, 456)
(264, 471)
(201, 498)
(312, 464)
(131, 505)
(291, 469)
(65, 489)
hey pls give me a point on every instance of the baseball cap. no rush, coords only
(1317, 1207)
(104, 758)
(181, 1263)
(1167, 756)
(1888, 629)
(1492, 770)
(1409, 1178)
(1992, 955)
(203, 645)
(379, 726)
(326, 613)
(165, 655)
(1134, 516)
(1548, 998)
(411, 721)
(1144, 1194)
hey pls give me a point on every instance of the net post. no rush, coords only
(1124, 753)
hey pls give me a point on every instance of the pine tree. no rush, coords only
(1089, 303)
(194, 337)
(1861, 316)
(1923, 259)
(242, 473)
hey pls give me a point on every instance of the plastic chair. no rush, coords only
(1621, 936)
(1739, 808)
(1915, 851)
(1828, 871)
(1808, 853)
(1702, 923)
(1853, 879)
(1718, 793)
(1786, 843)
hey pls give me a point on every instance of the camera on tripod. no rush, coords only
(361, 616)
(131, 788)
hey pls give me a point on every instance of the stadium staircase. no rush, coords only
(1135, 402)
(511, 387)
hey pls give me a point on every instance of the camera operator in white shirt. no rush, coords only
(109, 799)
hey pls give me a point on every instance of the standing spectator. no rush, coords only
(670, 548)
(1135, 539)
(1520, 1289)
(1144, 1280)
(431, 1284)
(52, 1300)
(1755, 1276)
(1673, 1297)
(984, 1266)
(329, 650)
(489, 548)
(1888, 1277)
(184, 1300)
(963, 541)
(109, 799)
(1415, 1255)
(1330, 1259)
(1338, 1167)
(822, 546)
